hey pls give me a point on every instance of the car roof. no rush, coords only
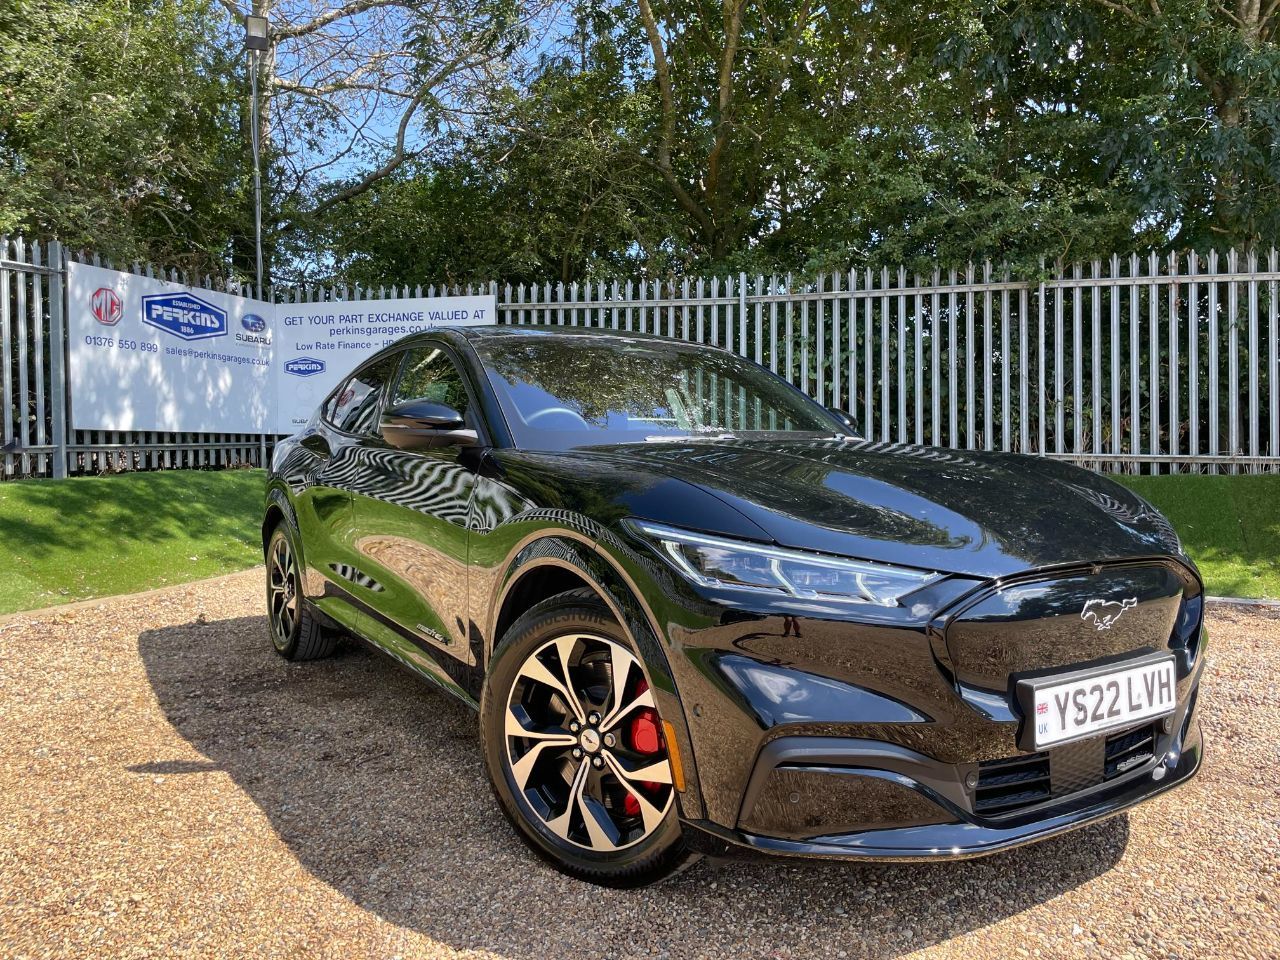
(491, 334)
(522, 330)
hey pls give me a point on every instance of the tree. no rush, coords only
(366, 86)
(117, 132)
(1201, 134)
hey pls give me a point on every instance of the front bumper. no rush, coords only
(826, 738)
(923, 817)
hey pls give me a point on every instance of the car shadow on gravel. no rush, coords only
(375, 783)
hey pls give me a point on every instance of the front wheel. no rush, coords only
(575, 748)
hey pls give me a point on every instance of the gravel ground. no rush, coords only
(169, 787)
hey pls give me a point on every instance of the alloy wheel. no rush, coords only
(282, 591)
(584, 743)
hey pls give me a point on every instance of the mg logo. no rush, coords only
(106, 306)
(184, 316)
(304, 367)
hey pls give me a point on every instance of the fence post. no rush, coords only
(57, 351)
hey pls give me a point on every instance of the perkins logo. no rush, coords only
(304, 367)
(253, 323)
(184, 316)
(107, 306)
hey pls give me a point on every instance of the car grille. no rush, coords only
(1011, 784)
(1128, 750)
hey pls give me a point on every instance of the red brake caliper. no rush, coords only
(644, 737)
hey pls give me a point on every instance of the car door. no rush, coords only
(322, 495)
(409, 527)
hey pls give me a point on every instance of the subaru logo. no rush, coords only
(184, 316)
(304, 367)
(253, 323)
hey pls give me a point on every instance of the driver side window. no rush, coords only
(354, 408)
(430, 375)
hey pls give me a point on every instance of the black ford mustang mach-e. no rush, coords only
(698, 614)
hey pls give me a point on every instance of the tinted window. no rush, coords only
(355, 407)
(429, 374)
(562, 391)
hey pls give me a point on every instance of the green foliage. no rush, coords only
(877, 133)
(119, 129)
(655, 137)
(64, 540)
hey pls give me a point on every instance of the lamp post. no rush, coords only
(256, 30)
(256, 42)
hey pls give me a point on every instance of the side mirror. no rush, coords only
(423, 425)
(846, 419)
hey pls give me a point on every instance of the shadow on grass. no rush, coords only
(375, 783)
(46, 518)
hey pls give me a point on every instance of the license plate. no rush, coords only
(1079, 704)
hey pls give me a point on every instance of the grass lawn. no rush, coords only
(1229, 525)
(91, 537)
(84, 537)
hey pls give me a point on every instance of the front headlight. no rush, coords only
(715, 562)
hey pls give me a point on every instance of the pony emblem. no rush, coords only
(1105, 613)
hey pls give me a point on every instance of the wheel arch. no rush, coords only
(554, 562)
(535, 583)
(278, 509)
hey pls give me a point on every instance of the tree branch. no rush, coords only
(666, 136)
(683, 197)
(724, 121)
(330, 16)
(399, 156)
(662, 72)
(1123, 10)
(400, 153)
(320, 91)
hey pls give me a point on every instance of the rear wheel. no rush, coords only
(575, 747)
(295, 630)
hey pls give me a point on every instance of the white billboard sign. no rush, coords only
(317, 344)
(148, 354)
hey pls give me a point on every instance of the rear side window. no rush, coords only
(355, 407)
(429, 374)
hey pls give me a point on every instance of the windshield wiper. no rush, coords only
(681, 438)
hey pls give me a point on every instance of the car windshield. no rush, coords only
(560, 392)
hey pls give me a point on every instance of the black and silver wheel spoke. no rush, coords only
(282, 594)
(602, 832)
(624, 708)
(567, 745)
(554, 740)
(537, 671)
(650, 814)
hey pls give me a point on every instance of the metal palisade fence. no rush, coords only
(1132, 364)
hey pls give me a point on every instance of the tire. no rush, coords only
(633, 837)
(296, 633)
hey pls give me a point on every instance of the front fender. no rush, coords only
(578, 546)
(276, 504)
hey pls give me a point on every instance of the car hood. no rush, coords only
(977, 514)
